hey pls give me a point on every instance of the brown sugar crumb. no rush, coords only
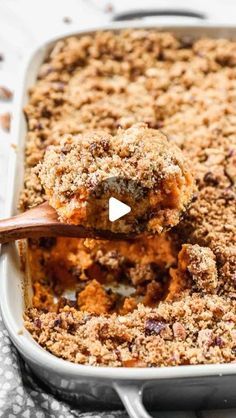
(141, 273)
(5, 121)
(200, 264)
(82, 166)
(189, 331)
(196, 270)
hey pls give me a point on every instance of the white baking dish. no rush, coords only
(180, 387)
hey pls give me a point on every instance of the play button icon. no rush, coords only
(116, 205)
(117, 209)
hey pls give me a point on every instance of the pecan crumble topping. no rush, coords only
(181, 299)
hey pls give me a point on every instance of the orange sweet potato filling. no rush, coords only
(70, 264)
(95, 299)
(178, 276)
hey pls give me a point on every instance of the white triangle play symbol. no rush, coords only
(117, 209)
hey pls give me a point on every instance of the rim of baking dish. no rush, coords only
(22, 339)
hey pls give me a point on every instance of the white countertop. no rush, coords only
(24, 23)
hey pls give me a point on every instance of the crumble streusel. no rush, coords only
(188, 90)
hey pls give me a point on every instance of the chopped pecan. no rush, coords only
(5, 93)
(37, 322)
(205, 338)
(179, 331)
(5, 121)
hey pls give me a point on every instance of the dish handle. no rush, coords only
(132, 399)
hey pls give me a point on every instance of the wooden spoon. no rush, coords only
(42, 221)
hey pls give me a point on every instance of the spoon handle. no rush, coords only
(42, 221)
(36, 222)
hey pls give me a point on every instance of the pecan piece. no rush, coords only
(5, 93)
(205, 338)
(179, 331)
(5, 121)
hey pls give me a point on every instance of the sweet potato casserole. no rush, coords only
(168, 299)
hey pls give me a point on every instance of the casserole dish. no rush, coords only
(181, 387)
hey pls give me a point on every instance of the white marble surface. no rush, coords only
(23, 23)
